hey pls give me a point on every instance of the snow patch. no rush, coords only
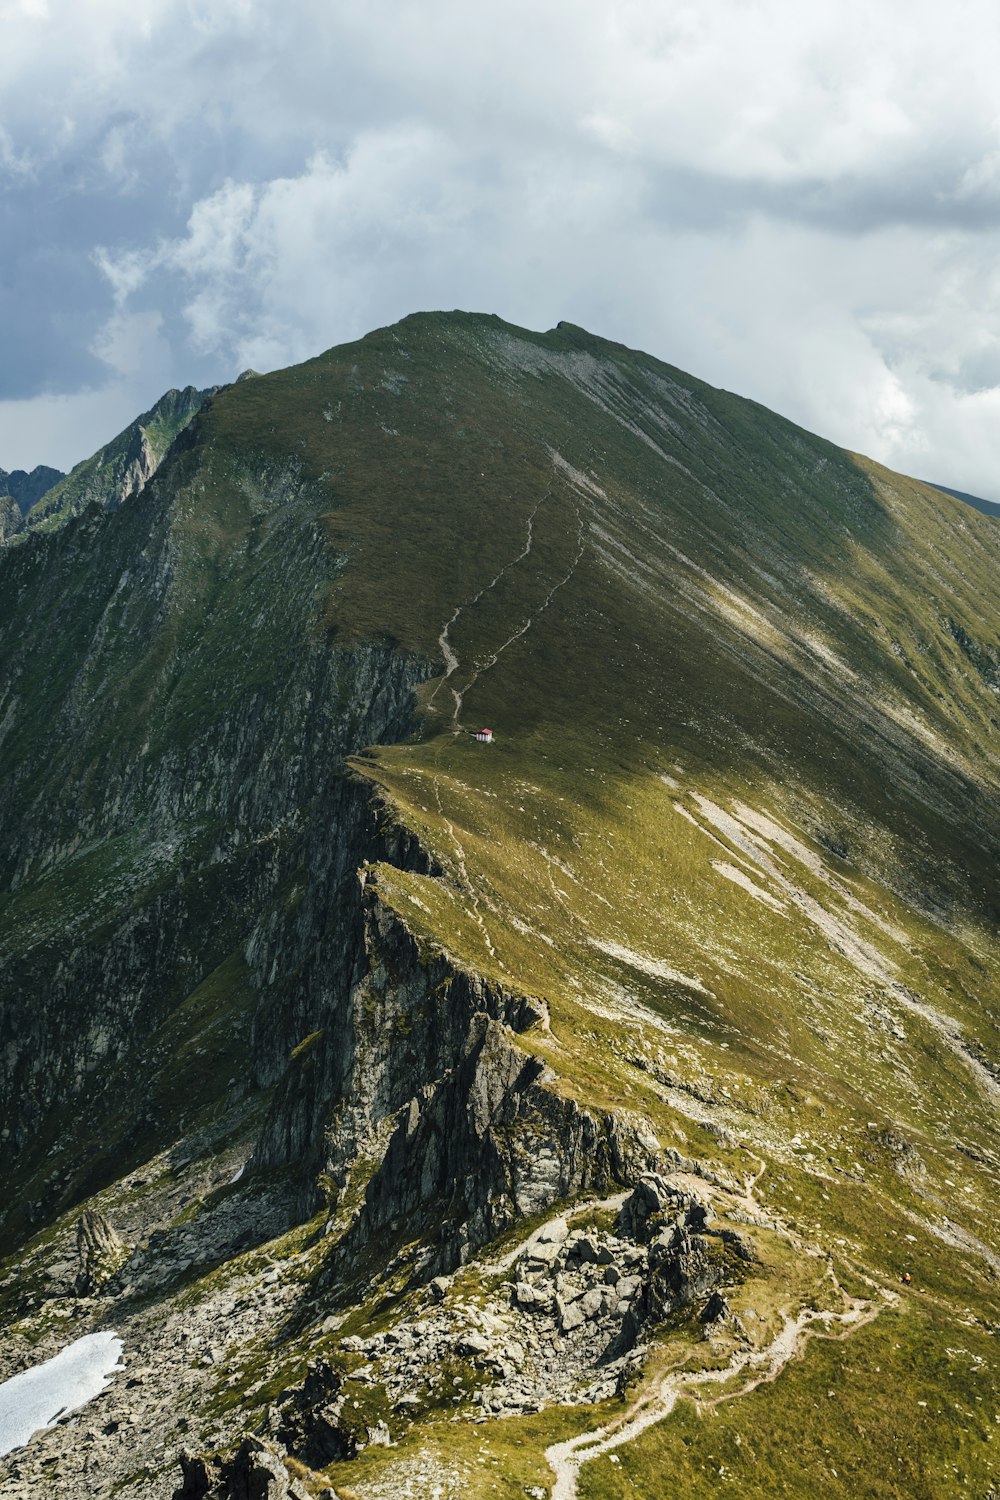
(36, 1397)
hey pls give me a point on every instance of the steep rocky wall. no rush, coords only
(415, 1070)
(487, 1144)
(137, 867)
(253, 844)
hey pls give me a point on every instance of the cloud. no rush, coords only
(800, 203)
(375, 229)
(60, 430)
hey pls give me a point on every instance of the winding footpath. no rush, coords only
(451, 661)
(567, 1459)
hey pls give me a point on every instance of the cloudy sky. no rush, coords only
(798, 202)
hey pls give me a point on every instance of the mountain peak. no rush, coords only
(465, 1094)
(121, 469)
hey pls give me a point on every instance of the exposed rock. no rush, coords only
(101, 1251)
(255, 1472)
(716, 1309)
(553, 1233)
(11, 519)
(573, 1321)
(122, 468)
(310, 1425)
(484, 1133)
(472, 1345)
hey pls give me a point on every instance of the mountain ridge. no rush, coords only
(27, 488)
(708, 930)
(120, 469)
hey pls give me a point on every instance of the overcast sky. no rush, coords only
(798, 202)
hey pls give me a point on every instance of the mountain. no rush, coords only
(122, 467)
(987, 507)
(553, 1115)
(18, 493)
(26, 488)
(11, 519)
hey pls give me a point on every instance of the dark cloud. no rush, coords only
(802, 203)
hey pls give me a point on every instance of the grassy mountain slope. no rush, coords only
(987, 507)
(735, 841)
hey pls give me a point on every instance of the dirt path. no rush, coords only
(567, 1459)
(451, 661)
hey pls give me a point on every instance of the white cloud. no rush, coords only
(130, 344)
(60, 430)
(799, 202)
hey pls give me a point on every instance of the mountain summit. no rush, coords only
(601, 1109)
(19, 491)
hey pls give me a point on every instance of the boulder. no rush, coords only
(570, 1316)
(716, 1309)
(473, 1345)
(592, 1302)
(651, 1195)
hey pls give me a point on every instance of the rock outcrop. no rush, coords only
(101, 1252)
(238, 779)
(312, 1425)
(115, 473)
(571, 1320)
(255, 1472)
(11, 519)
(457, 1113)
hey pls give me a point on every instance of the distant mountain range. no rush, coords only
(28, 489)
(19, 491)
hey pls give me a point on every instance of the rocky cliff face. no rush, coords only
(232, 887)
(232, 855)
(11, 519)
(467, 1135)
